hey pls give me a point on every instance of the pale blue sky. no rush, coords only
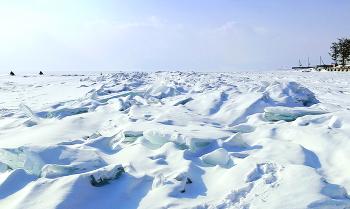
(152, 35)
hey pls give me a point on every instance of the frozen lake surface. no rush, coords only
(277, 139)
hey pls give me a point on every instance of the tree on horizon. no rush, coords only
(340, 51)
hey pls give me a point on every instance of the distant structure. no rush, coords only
(41, 73)
(300, 67)
(322, 65)
(11, 73)
(317, 67)
(344, 68)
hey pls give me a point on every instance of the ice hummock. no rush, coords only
(242, 128)
(140, 100)
(160, 137)
(51, 163)
(111, 98)
(160, 90)
(156, 137)
(103, 176)
(235, 140)
(120, 104)
(14, 158)
(123, 137)
(53, 171)
(94, 93)
(289, 94)
(33, 162)
(118, 138)
(217, 157)
(22, 157)
(289, 114)
(56, 170)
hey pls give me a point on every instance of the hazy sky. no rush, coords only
(152, 35)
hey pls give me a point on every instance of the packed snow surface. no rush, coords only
(175, 140)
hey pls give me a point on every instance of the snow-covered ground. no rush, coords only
(175, 140)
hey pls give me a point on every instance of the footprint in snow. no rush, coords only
(266, 171)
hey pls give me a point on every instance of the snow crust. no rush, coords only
(175, 140)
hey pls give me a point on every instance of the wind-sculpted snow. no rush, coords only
(175, 140)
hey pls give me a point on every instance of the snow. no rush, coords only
(175, 140)
(158, 181)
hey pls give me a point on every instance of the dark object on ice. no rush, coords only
(184, 180)
(100, 182)
(183, 102)
(101, 73)
(41, 73)
(11, 73)
(103, 180)
(188, 181)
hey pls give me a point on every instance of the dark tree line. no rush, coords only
(340, 51)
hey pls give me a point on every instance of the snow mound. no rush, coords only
(290, 94)
(52, 161)
(159, 180)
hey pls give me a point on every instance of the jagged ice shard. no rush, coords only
(14, 158)
(235, 140)
(22, 157)
(55, 170)
(116, 140)
(217, 157)
(26, 110)
(160, 90)
(33, 162)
